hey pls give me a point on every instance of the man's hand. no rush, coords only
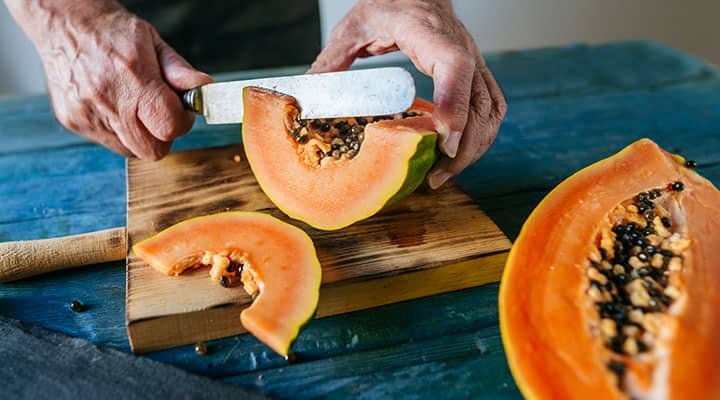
(469, 105)
(111, 78)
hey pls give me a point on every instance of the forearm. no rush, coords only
(46, 21)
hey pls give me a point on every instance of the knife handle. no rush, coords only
(27, 258)
(192, 100)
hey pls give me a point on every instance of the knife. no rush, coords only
(376, 91)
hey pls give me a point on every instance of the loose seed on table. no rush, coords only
(200, 348)
(77, 306)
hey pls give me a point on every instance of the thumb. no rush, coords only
(337, 55)
(178, 73)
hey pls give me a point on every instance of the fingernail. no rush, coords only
(451, 144)
(438, 178)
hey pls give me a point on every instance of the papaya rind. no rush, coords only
(419, 165)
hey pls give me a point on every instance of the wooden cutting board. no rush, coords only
(429, 243)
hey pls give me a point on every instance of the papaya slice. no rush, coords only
(275, 262)
(331, 173)
(612, 288)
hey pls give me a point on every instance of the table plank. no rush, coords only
(568, 107)
(455, 312)
(419, 366)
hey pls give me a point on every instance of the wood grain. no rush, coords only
(430, 243)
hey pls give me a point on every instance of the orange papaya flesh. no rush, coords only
(331, 173)
(275, 261)
(612, 288)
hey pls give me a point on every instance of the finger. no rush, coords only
(160, 109)
(346, 41)
(499, 104)
(452, 70)
(131, 132)
(161, 112)
(338, 55)
(178, 73)
(486, 113)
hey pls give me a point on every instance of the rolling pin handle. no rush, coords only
(27, 258)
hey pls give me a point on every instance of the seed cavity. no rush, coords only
(633, 276)
(228, 268)
(332, 139)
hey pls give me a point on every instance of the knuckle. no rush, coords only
(138, 27)
(150, 150)
(67, 120)
(499, 109)
(155, 154)
(459, 58)
(163, 115)
(499, 106)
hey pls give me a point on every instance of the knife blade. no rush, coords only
(375, 91)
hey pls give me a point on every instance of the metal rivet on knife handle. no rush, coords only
(192, 100)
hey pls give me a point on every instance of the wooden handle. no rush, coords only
(27, 258)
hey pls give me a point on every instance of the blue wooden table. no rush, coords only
(568, 107)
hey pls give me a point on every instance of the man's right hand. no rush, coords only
(111, 78)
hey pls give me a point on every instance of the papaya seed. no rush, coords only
(201, 348)
(76, 306)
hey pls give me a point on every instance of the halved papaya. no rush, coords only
(331, 173)
(275, 261)
(612, 288)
